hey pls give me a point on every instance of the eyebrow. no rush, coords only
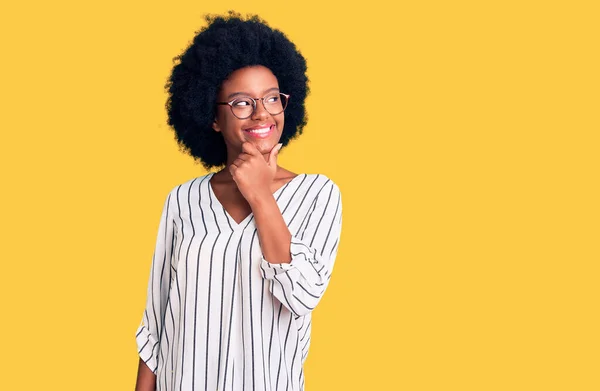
(245, 94)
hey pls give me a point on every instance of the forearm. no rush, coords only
(273, 233)
(300, 283)
(146, 379)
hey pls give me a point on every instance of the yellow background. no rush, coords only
(464, 138)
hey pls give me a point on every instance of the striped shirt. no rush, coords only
(218, 315)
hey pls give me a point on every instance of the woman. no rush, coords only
(243, 255)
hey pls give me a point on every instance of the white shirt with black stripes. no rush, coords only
(218, 315)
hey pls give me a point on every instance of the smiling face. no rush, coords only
(262, 128)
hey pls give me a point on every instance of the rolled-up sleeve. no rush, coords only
(300, 284)
(149, 333)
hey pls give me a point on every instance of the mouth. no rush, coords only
(260, 131)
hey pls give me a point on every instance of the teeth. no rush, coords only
(263, 130)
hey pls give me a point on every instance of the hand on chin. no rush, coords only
(252, 172)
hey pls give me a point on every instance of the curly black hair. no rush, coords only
(226, 44)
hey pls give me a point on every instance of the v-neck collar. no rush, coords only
(232, 223)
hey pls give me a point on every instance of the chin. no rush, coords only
(265, 148)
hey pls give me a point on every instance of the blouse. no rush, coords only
(218, 315)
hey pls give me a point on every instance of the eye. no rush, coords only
(272, 98)
(242, 103)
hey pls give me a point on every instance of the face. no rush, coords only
(254, 82)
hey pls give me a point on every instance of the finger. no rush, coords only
(244, 156)
(273, 154)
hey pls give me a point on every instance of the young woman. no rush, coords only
(245, 254)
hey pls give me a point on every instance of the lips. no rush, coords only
(260, 131)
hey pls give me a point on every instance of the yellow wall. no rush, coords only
(464, 138)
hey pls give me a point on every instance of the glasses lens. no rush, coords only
(242, 108)
(275, 103)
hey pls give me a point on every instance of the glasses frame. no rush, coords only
(254, 104)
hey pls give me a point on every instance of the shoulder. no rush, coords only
(193, 182)
(324, 187)
(185, 187)
(324, 194)
(326, 182)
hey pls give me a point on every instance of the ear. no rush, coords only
(215, 126)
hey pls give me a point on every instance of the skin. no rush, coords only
(146, 379)
(251, 174)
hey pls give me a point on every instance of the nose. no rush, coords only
(260, 111)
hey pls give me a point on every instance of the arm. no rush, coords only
(299, 265)
(146, 379)
(149, 332)
(273, 233)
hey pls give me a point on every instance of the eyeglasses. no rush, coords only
(244, 107)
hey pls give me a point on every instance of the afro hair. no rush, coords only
(226, 44)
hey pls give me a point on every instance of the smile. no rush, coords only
(261, 132)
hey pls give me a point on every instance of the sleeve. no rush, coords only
(149, 332)
(300, 284)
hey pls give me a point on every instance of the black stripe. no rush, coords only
(262, 330)
(294, 193)
(197, 276)
(333, 221)
(279, 366)
(303, 198)
(299, 301)
(306, 219)
(288, 379)
(251, 312)
(311, 214)
(306, 290)
(177, 331)
(142, 348)
(243, 339)
(222, 305)
(231, 314)
(185, 284)
(166, 258)
(284, 295)
(309, 261)
(272, 326)
(321, 219)
(306, 344)
(334, 247)
(306, 331)
(209, 288)
(294, 356)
